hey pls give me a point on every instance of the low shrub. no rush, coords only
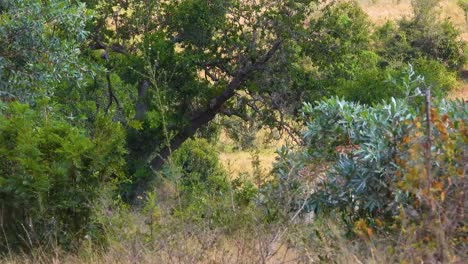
(204, 192)
(198, 164)
(383, 174)
(51, 173)
(408, 41)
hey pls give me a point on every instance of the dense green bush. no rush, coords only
(408, 40)
(360, 182)
(51, 173)
(436, 75)
(39, 45)
(338, 39)
(198, 163)
(365, 152)
(370, 84)
(341, 49)
(352, 58)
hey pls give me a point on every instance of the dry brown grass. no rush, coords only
(258, 245)
(384, 10)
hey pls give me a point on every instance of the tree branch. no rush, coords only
(98, 44)
(202, 118)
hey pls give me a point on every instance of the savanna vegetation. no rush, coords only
(124, 126)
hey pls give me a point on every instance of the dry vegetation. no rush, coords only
(210, 248)
(240, 162)
(382, 10)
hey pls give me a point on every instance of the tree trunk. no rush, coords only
(197, 122)
(203, 118)
(141, 107)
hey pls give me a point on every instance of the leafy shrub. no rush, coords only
(408, 40)
(205, 194)
(376, 172)
(347, 55)
(358, 183)
(370, 84)
(432, 175)
(39, 47)
(436, 75)
(338, 36)
(375, 84)
(51, 173)
(198, 163)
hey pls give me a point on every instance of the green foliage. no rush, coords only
(347, 64)
(374, 84)
(352, 58)
(186, 59)
(211, 132)
(370, 84)
(199, 164)
(340, 38)
(167, 69)
(436, 75)
(358, 185)
(205, 193)
(464, 5)
(39, 46)
(411, 39)
(197, 20)
(51, 173)
(368, 172)
(243, 132)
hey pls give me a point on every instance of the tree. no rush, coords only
(188, 59)
(340, 40)
(39, 46)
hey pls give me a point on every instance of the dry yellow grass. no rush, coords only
(382, 10)
(241, 161)
(238, 162)
(460, 93)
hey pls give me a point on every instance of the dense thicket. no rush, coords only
(113, 95)
(51, 173)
